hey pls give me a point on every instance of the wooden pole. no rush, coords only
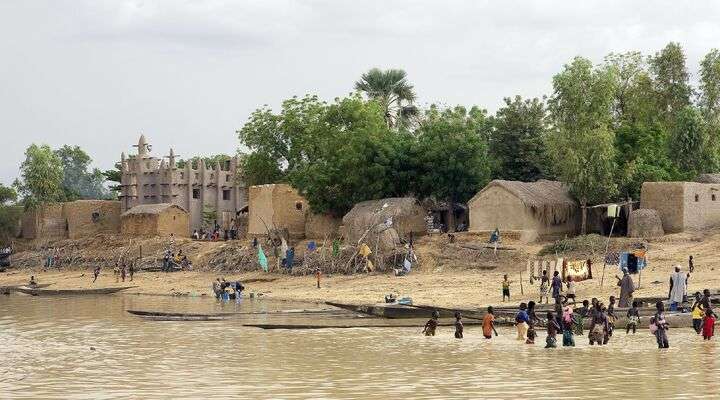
(141, 252)
(521, 284)
(607, 246)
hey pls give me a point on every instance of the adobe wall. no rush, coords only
(412, 220)
(668, 199)
(289, 210)
(46, 222)
(173, 220)
(496, 207)
(139, 225)
(702, 205)
(90, 217)
(320, 226)
(260, 209)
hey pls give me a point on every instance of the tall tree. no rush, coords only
(710, 83)
(393, 91)
(9, 214)
(671, 80)
(453, 158)
(79, 181)
(641, 135)
(41, 176)
(581, 143)
(691, 147)
(516, 140)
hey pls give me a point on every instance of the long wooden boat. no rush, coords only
(72, 292)
(383, 310)
(164, 314)
(365, 324)
(14, 288)
(184, 318)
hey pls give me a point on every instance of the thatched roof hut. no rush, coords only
(543, 207)
(403, 214)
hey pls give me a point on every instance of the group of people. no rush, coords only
(173, 261)
(225, 290)
(122, 271)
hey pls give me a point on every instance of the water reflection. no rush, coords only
(46, 354)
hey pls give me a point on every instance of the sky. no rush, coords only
(188, 73)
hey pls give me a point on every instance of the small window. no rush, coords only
(212, 176)
(96, 216)
(197, 175)
(298, 205)
(196, 193)
(712, 197)
(227, 178)
(182, 175)
(226, 194)
(697, 197)
(173, 217)
(147, 165)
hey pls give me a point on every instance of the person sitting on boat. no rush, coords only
(32, 282)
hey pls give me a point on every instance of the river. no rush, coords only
(45, 353)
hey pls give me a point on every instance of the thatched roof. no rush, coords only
(144, 209)
(708, 178)
(406, 212)
(382, 209)
(550, 201)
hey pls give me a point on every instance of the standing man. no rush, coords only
(627, 287)
(677, 288)
(691, 264)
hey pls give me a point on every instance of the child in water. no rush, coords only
(633, 316)
(567, 325)
(708, 325)
(506, 288)
(552, 330)
(432, 324)
(488, 323)
(698, 313)
(458, 326)
(521, 322)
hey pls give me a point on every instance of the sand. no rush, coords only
(447, 277)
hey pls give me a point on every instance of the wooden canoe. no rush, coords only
(361, 324)
(383, 310)
(164, 314)
(14, 288)
(72, 292)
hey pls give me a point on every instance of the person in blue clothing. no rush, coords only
(521, 321)
(556, 285)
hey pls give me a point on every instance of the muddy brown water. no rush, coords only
(45, 354)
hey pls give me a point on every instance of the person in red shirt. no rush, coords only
(708, 325)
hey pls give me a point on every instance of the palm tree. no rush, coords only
(392, 90)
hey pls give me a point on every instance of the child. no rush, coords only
(633, 316)
(458, 326)
(567, 325)
(318, 273)
(708, 325)
(96, 273)
(611, 316)
(116, 272)
(544, 286)
(532, 320)
(698, 313)
(488, 323)
(660, 326)
(506, 288)
(552, 330)
(582, 313)
(570, 294)
(521, 322)
(432, 324)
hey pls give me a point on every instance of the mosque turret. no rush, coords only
(171, 159)
(142, 146)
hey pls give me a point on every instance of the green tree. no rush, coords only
(41, 176)
(79, 181)
(9, 214)
(516, 140)
(260, 169)
(115, 177)
(581, 145)
(671, 80)
(710, 83)
(392, 90)
(453, 157)
(288, 139)
(353, 157)
(691, 147)
(641, 136)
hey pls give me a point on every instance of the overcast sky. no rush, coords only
(188, 73)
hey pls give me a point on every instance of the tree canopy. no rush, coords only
(41, 176)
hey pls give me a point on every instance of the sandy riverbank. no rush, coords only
(442, 279)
